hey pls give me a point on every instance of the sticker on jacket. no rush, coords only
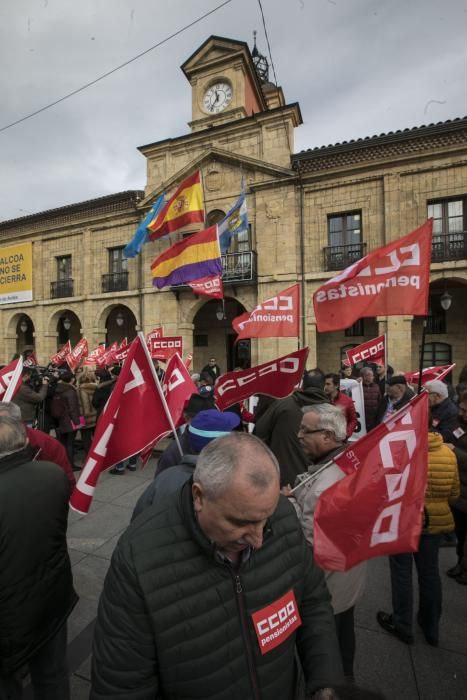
(458, 433)
(276, 622)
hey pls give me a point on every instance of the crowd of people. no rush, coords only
(212, 591)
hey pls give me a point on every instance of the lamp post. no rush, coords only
(119, 319)
(446, 300)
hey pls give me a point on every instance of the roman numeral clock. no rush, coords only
(217, 97)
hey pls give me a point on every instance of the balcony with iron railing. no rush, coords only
(115, 282)
(237, 268)
(61, 288)
(449, 246)
(337, 257)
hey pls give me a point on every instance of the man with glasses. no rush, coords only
(321, 435)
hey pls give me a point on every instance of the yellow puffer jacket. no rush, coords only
(442, 487)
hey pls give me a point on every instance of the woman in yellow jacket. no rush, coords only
(442, 489)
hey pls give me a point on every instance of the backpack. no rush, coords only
(58, 406)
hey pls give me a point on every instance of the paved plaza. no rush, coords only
(383, 663)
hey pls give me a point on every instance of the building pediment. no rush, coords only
(218, 157)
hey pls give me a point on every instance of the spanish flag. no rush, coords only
(184, 207)
(195, 257)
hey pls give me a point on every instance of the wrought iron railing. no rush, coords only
(239, 267)
(61, 288)
(449, 246)
(337, 257)
(115, 282)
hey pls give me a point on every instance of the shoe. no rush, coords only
(454, 571)
(462, 578)
(131, 467)
(432, 641)
(115, 471)
(386, 622)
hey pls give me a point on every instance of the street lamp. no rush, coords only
(23, 326)
(220, 312)
(119, 319)
(66, 323)
(446, 300)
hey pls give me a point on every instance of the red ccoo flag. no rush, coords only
(429, 373)
(60, 357)
(177, 386)
(377, 508)
(79, 352)
(11, 379)
(133, 418)
(277, 317)
(390, 281)
(370, 351)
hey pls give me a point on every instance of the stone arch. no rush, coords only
(65, 324)
(116, 322)
(213, 334)
(20, 334)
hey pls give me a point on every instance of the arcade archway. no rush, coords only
(213, 335)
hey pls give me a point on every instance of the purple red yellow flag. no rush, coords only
(193, 258)
(184, 207)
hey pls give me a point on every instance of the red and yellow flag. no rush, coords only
(184, 207)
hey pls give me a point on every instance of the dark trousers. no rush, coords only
(460, 522)
(68, 442)
(49, 673)
(429, 583)
(345, 629)
(86, 439)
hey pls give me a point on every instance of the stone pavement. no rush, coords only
(383, 663)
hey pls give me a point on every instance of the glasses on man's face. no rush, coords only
(308, 431)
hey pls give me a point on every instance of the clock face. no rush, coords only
(217, 97)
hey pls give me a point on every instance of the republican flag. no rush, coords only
(370, 351)
(277, 317)
(234, 222)
(208, 286)
(11, 379)
(194, 257)
(60, 356)
(177, 386)
(142, 234)
(184, 207)
(79, 352)
(377, 508)
(429, 373)
(134, 418)
(391, 281)
(276, 378)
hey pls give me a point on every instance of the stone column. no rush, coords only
(311, 341)
(399, 336)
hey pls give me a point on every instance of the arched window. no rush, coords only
(214, 217)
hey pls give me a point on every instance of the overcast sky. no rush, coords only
(356, 67)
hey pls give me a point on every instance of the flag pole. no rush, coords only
(161, 393)
(312, 476)
(422, 354)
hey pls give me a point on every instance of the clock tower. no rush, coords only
(225, 83)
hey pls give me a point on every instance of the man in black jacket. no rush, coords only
(211, 594)
(36, 587)
(398, 394)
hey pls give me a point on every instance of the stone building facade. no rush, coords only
(311, 214)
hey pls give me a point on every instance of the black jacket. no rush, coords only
(36, 587)
(444, 417)
(278, 427)
(408, 394)
(101, 395)
(175, 621)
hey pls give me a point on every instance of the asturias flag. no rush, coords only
(184, 207)
(142, 233)
(193, 258)
(234, 222)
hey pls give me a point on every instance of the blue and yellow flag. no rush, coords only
(142, 234)
(234, 222)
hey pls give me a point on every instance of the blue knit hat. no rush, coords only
(211, 424)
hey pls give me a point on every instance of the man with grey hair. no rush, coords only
(43, 446)
(322, 434)
(36, 589)
(213, 593)
(443, 409)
